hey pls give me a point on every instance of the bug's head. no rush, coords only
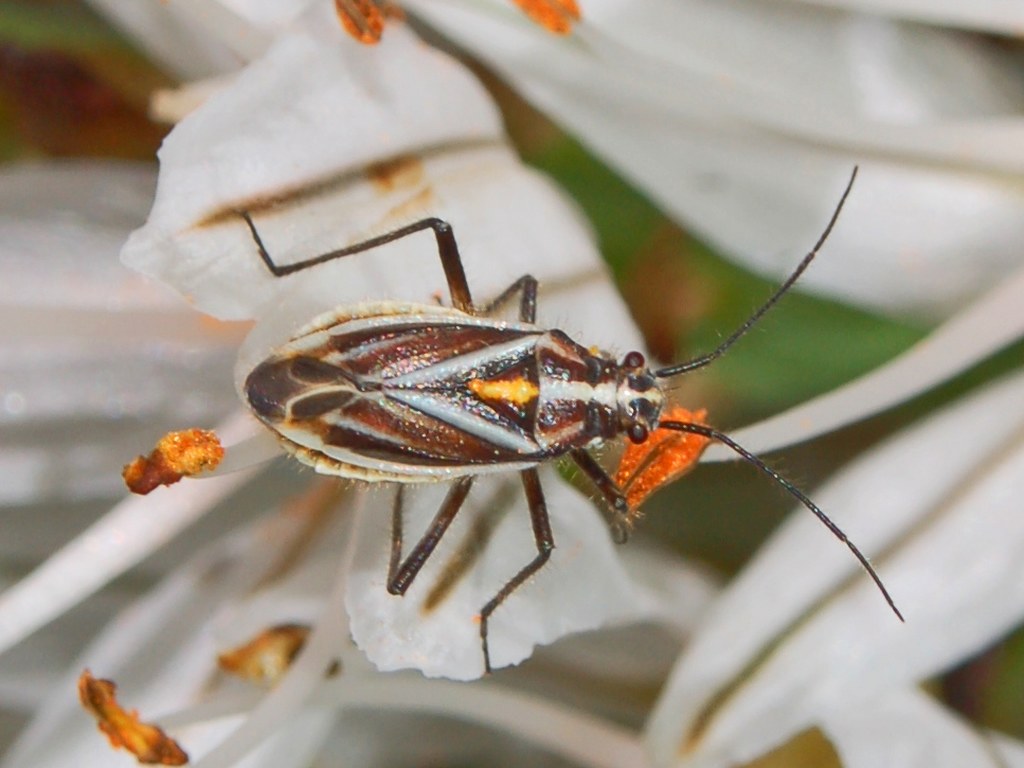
(639, 398)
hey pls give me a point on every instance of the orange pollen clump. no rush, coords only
(514, 391)
(364, 19)
(177, 455)
(123, 728)
(554, 15)
(664, 457)
(268, 655)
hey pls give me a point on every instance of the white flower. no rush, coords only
(735, 116)
(842, 664)
(801, 639)
(762, 665)
(424, 141)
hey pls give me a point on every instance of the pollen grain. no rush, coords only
(176, 455)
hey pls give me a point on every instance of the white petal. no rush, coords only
(309, 117)
(802, 625)
(367, 739)
(31, 670)
(556, 727)
(73, 420)
(171, 105)
(583, 586)
(714, 111)
(907, 729)
(991, 323)
(356, 142)
(509, 222)
(324, 645)
(577, 736)
(119, 540)
(192, 38)
(162, 650)
(98, 349)
(996, 16)
(134, 649)
(1009, 749)
(591, 670)
(684, 590)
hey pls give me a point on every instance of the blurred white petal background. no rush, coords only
(741, 120)
(712, 110)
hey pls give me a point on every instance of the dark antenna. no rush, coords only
(700, 362)
(714, 434)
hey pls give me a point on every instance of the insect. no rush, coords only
(411, 393)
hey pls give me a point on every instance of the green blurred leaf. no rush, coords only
(53, 24)
(72, 86)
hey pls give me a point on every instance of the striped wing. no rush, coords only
(409, 394)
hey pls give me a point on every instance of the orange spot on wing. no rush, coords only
(514, 391)
(664, 457)
(123, 728)
(177, 455)
(555, 16)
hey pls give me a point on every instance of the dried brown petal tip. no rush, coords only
(266, 657)
(177, 455)
(664, 457)
(555, 16)
(123, 728)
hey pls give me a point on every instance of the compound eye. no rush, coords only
(637, 433)
(633, 360)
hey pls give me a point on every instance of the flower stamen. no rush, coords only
(123, 728)
(556, 16)
(267, 656)
(176, 455)
(364, 19)
(663, 458)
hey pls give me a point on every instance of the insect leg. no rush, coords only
(545, 543)
(612, 494)
(526, 287)
(447, 249)
(700, 362)
(401, 574)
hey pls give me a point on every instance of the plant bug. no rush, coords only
(413, 393)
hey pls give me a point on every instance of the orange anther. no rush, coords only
(268, 655)
(177, 455)
(664, 457)
(364, 19)
(148, 743)
(556, 16)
